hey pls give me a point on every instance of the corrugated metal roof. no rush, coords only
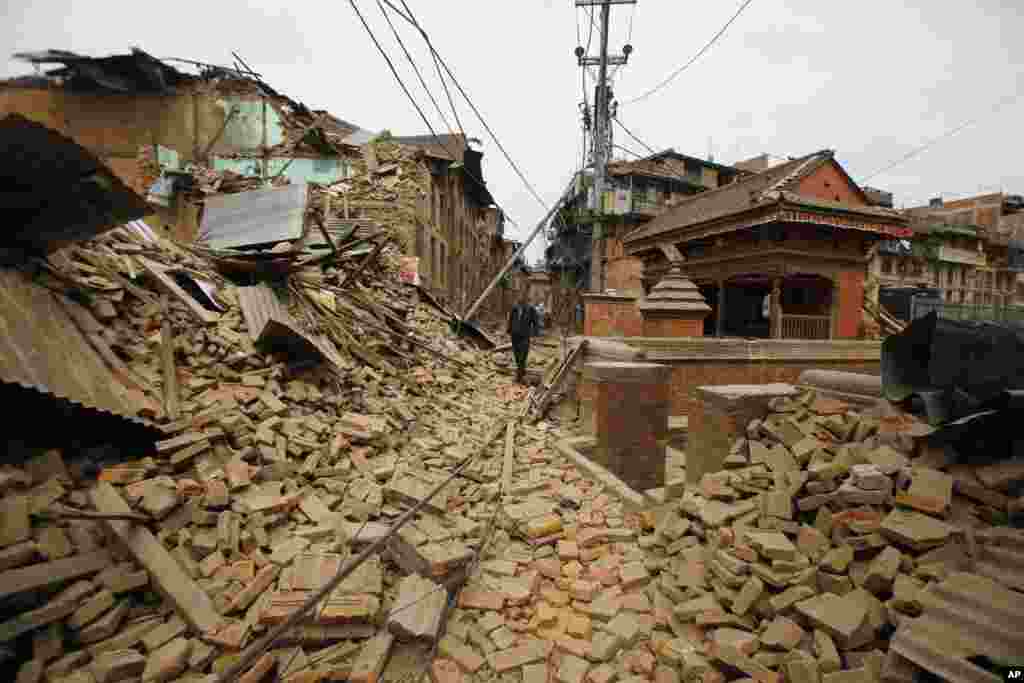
(53, 191)
(964, 616)
(271, 326)
(31, 405)
(51, 375)
(254, 218)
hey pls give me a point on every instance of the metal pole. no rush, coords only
(497, 278)
(600, 154)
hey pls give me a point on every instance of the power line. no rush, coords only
(399, 78)
(440, 76)
(416, 105)
(693, 59)
(414, 67)
(529, 186)
(630, 134)
(629, 151)
(948, 134)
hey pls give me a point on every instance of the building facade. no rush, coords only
(636, 192)
(971, 248)
(778, 254)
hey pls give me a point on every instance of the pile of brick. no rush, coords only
(162, 566)
(387, 187)
(825, 532)
(829, 529)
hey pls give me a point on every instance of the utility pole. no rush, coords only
(601, 139)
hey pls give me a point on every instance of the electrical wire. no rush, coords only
(440, 76)
(630, 134)
(415, 68)
(629, 151)
(515, 167)
(448, 94)
(401, 83)
(693, 59)
(948, 134)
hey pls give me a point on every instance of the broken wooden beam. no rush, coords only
(167, 283)
(45, 573)
(191, 601)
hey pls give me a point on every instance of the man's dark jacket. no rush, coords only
(523, 322)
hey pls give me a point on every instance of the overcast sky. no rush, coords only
(872, 79)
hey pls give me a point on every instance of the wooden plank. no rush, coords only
(556, 383)
(46, 573)
(159, 274)
(171, 391)
(510, 451)
(191, 601)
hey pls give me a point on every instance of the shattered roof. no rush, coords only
(440, 146)
(135, 72)
(775, 184)
(53, 191)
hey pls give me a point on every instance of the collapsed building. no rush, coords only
(178, 139)
(263, 453)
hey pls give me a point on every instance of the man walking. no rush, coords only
(522, 324)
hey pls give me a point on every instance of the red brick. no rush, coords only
(445, 671)
(481, 600)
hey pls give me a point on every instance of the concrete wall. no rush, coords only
(701, 361)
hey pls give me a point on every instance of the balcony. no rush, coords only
(806, 327)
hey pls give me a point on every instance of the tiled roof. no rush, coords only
(776, 184)
(741, 194)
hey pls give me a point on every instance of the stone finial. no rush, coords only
(675, 295)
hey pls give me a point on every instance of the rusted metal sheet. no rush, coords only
(1000, 556)
(271, 326)
(965, 616)
(257, 217)
(55, 192)
(47, 363)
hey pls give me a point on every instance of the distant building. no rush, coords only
(975, 249)
(636, 192)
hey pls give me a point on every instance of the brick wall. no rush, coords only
(607, 316)
(673, 327)
(623, 273)
(829, 183)
(851, 300)
(707, 361)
